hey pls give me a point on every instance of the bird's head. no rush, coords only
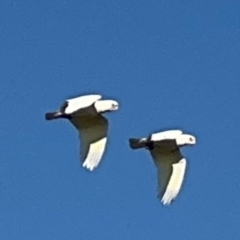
(106, 106)
(186, 139)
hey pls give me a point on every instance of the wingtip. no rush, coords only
(50, 115)
(164, 201)
(88, 167)
(136, 143)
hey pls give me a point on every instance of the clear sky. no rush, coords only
(170, 64)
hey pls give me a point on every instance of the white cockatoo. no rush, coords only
(85, 113)
(171, 165)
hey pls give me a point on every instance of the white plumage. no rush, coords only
(164, 148)
(84, 113)
(75, 104)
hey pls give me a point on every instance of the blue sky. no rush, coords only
(170, 64)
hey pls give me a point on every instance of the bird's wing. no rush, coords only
(93, 138)
(74, 104)
(171, 168)
(169, 134)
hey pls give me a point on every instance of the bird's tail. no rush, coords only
(52, 115)
(136, 143)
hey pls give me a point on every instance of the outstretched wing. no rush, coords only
(171, 168)
(93, 138)
(74, 104)
(169, 134)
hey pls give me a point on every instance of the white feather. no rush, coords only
(171, 168)
(93, 138)
(170, 134)
(175, 182)
(95, 153)
(75, 104)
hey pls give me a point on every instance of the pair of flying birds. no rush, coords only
(85, 113)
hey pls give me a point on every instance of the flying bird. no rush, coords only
(164, 148)
(85, 113)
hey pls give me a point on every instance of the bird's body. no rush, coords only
(85, 114)
(164, 148)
